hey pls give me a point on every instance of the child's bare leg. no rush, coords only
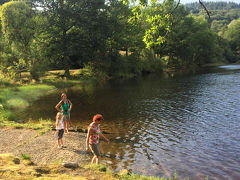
(61, 142)
(94, 159)
(98, 159)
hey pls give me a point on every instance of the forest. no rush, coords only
(115, 38)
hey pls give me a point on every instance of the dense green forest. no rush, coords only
(221, 14)
(114, 38)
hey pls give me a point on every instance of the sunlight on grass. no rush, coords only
(16, 98)
(7, 120)
(17, 103)
(26, 156)
(6, 115)
(4, 84)
(123, 174)
(22, 168)
(96, 167)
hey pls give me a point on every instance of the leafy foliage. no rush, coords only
(113, 38)
(223, 14)
(233, 35)
(18, 29)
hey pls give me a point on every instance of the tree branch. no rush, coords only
(171, 13)
(177, 5)
(208, 13)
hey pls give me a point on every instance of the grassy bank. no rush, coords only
(23, 168)
(17, 97)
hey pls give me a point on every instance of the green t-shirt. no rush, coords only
(65, 108)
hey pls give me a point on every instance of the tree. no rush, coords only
(191, 41)
(125, 35)
(76, 31)
(18, 28)
(233, 36)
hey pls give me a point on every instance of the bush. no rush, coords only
(6, 115)
(151, 62)
(98, 69)
(126, 66)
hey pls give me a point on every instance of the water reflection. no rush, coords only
(230, 67)
(159, 124)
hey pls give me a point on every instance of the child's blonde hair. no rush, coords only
(58, 114)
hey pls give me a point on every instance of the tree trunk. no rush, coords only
(66, 66)
(66, 58)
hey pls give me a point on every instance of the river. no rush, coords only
(162, 124)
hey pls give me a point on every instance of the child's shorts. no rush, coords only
(60, 133)
(95, 149)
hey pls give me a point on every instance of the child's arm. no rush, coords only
(101, 135)
(57, 124)
(87, 139)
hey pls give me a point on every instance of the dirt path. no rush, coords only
(43, 148)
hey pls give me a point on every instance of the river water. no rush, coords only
(163, 124)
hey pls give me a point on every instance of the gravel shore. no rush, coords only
(42, 148)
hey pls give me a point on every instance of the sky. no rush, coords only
(190, 1)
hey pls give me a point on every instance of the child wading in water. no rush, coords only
(93, 135)
(59, 129)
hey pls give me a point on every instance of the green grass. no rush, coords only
(141, 177)
(59, 83)
(78, 77)
(6, 115)
(15, 168)
(26, 157)
(123, 174)
(4, 84)
(96, 167)
(43, 125)
(19, 97)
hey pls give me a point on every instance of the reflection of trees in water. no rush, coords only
(141, 113)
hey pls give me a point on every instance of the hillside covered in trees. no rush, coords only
(221, 13)
(115, 38)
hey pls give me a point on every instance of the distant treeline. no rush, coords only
(114, 38)
(221, 13)
(196, 7)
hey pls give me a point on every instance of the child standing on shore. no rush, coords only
(59, 129)
(65, 106)
(93, 136)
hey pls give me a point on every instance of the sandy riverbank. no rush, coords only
(42, 148)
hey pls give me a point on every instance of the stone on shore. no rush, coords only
(71, 165)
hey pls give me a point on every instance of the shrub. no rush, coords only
(151, 62)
